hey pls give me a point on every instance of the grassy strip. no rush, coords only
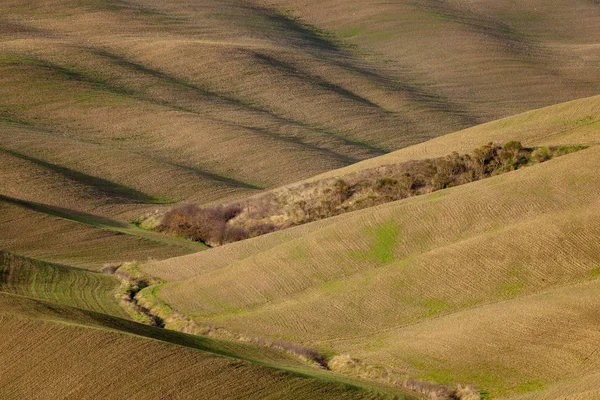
(99, 222)
(251, 354)
(149, 308)
(58, 284)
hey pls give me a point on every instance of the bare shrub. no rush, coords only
(313, 201)
(208, 225)
(351, 366)
(431, 390)
(304, 352)
(467, 393)
(110, 268)
(262, 228)
(234, 234)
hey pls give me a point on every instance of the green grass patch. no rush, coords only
(331, 287)
(585, 121)
(436, 195)
(384, 242)
(511, 289)
(530, 386)
(435, 306)
(59, 284)
(298, 253)
(351, 32)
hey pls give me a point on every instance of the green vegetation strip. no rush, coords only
(99, 222)
(59, 284)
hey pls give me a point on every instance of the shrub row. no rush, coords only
(309, 202)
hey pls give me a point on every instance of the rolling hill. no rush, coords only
(65, 335)
(116, 108)
(408, 284)
(55, 351)
(113, 112)
(174, 98)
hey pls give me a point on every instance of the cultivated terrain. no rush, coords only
(113, 113)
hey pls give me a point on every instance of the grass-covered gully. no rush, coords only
(300, 204)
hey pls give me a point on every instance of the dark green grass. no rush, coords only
(59, 284)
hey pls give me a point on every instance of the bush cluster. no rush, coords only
(210, 224)
(297, 205)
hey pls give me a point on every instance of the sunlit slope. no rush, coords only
(59, 284)
(409, 260)
(185, 267)
(489, 58)
(176, 99)
(545, 344)
(58, 352)
(582, 388)
(576, 122)
(350, 283)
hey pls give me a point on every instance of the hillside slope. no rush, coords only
(176, 99)
(117, 108)
(488, 58)
(356, 283)
(59, 284)
(59, 352)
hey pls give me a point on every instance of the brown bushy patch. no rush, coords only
(347, 365)
(313, 201)
(208, 225)
(301, 351)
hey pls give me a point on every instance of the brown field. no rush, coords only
(195, 92)
(54, 352)
(115, 111)
(88, 244)
(114, 108)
